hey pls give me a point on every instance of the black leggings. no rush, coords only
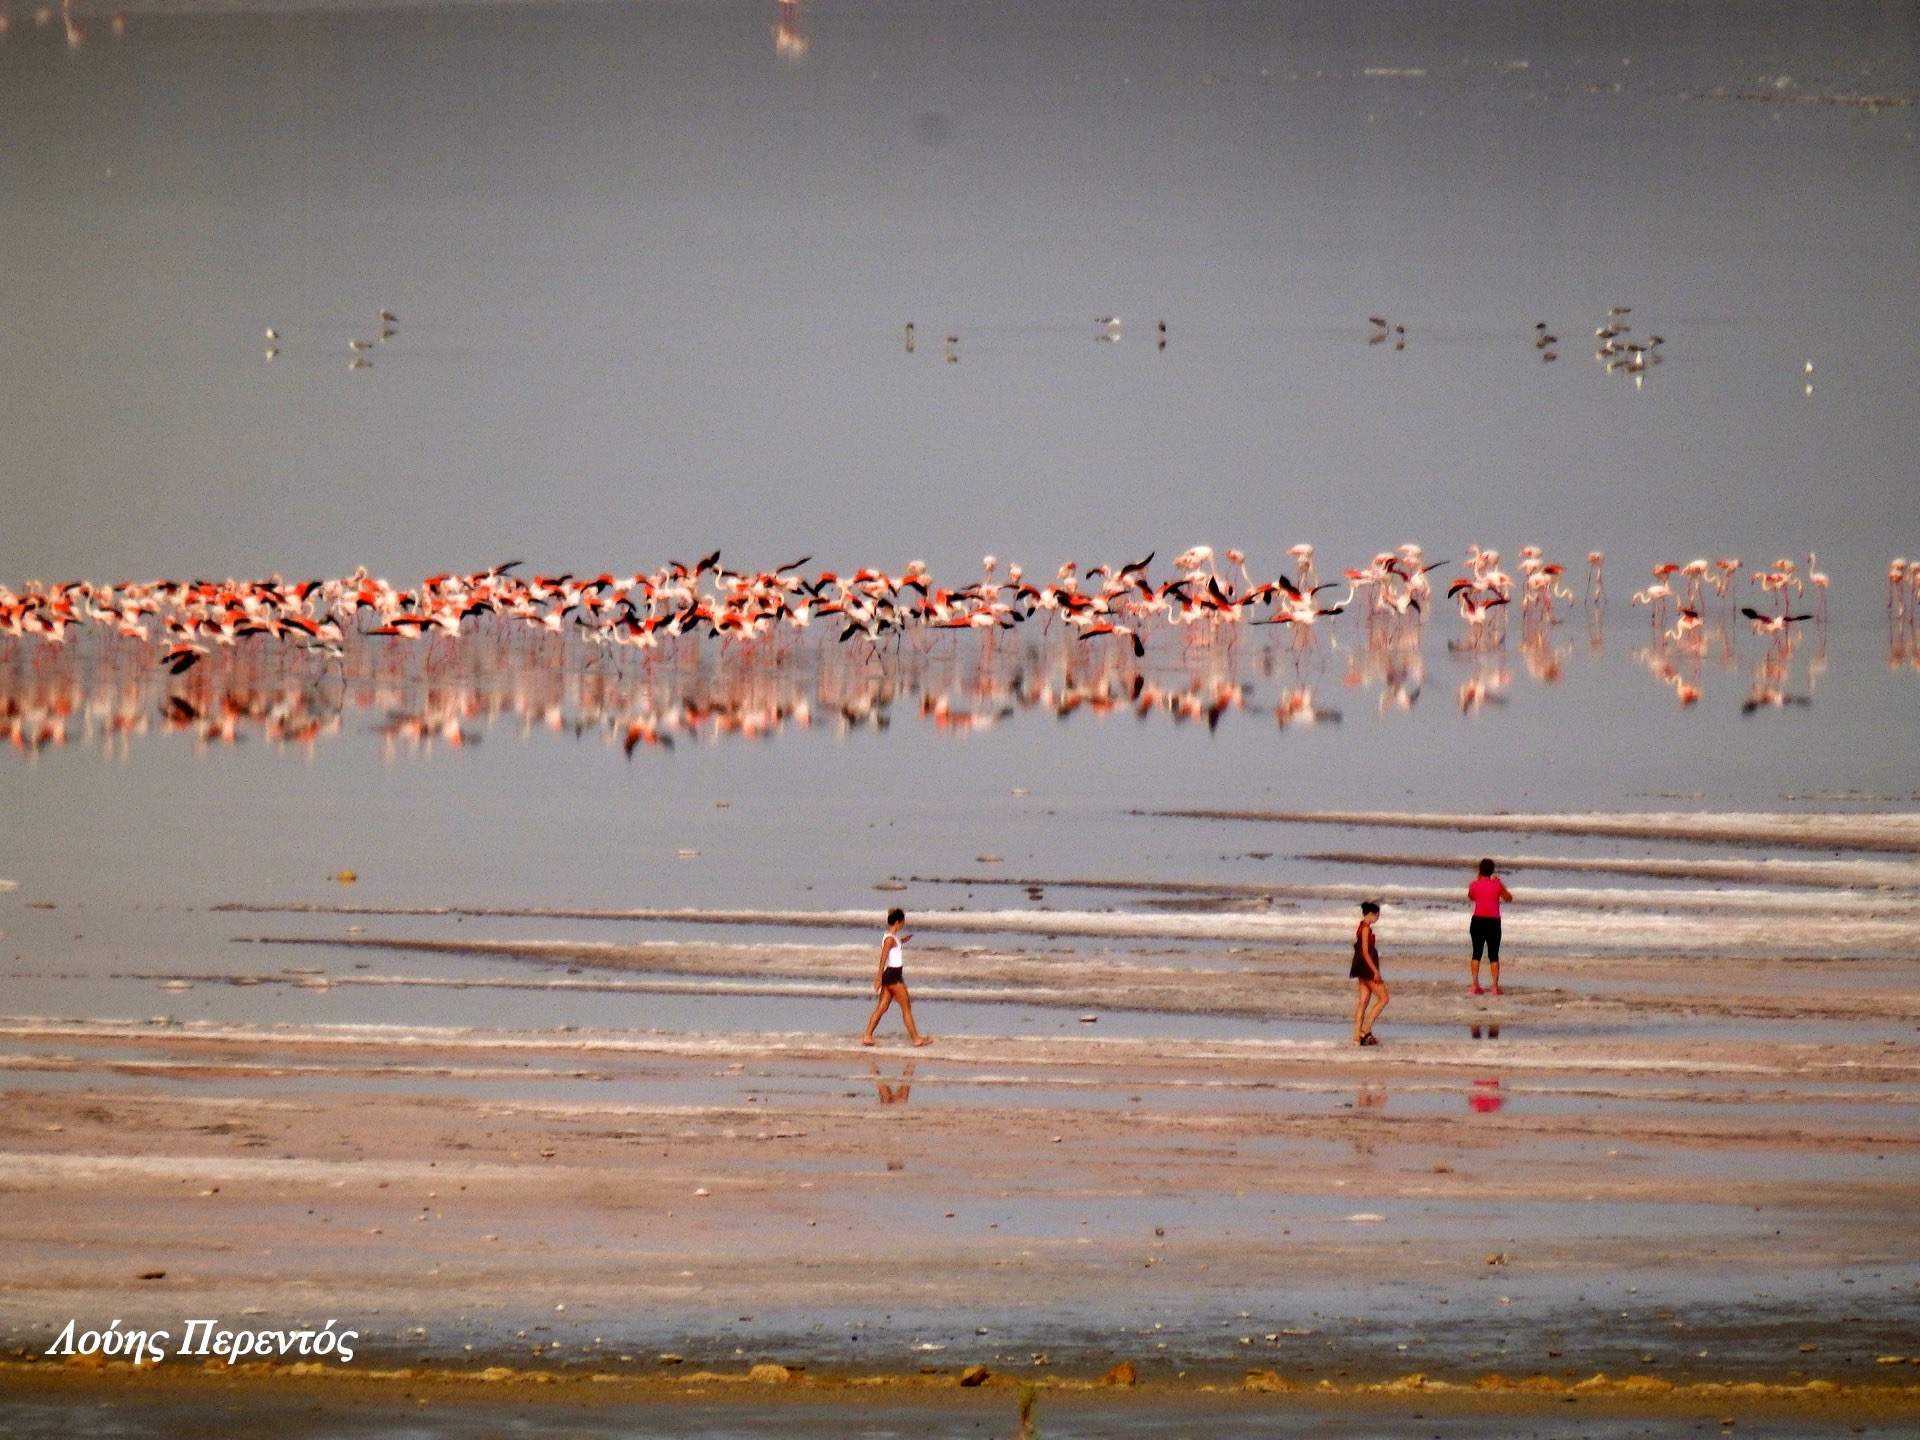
(1485, 930)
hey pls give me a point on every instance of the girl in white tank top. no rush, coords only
(891, 981)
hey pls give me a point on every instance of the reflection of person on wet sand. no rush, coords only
(891, 982)
(1371, 994)
(893, 1094)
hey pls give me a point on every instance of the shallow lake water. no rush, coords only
(145, 800)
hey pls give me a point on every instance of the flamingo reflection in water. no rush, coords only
(790, 43)
(1903, 614)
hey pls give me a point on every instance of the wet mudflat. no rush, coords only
(795, 1199)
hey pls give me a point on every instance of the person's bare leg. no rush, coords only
(886, 999)
(1475, 964)
(1359, 1009)
(1495, 966)
(1380, 997)
(906, 1014)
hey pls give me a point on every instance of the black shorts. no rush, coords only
(893, 975)
(1485, 930)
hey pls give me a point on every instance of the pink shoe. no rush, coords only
(1496, 990)
(1476, 991)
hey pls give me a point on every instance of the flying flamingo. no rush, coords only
(1771, 624)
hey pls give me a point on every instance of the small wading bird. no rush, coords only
(1622, 356)
(1384, 331)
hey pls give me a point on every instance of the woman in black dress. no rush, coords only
(1371, 995)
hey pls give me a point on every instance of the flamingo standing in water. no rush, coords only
(1819, 580)
(1687, 628)
(1695, 572)
(1656, 596)
(1723, 581)
(1303, 576)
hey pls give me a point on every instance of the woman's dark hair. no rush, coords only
(1486, 867)
(1369, 907)
(896, 915)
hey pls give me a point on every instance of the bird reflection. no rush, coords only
(1773, 674)
(104, 691)
(789, 39)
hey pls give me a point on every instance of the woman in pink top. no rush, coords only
(1486, 893)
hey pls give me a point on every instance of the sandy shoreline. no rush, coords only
(1559, 992)
(758, 1197)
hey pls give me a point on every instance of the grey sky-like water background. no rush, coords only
(653, 276)
(652, 264)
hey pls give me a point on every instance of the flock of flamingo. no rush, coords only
(1202, 598)
(286, 659)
